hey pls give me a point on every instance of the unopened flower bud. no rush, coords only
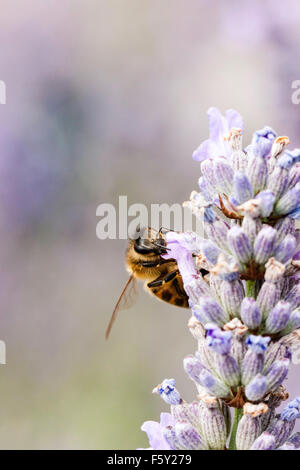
(250, 313)
(264, 442)
(276, 373)
(249, 427)
(189, 437)
(232, 294)
(266, 201)
(268, 297)
(264, 244)
(257, 172)
(242, 189)
(257, 388)
(278, 317)
(223, 174)
(213, 385)
(289, 201)
(193, 366)
(239, 244)
(262, 141)
(208, 310)
(253, 362)
(213, 427)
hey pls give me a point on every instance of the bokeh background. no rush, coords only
(106, 98)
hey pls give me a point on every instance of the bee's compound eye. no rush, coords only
(143, 247)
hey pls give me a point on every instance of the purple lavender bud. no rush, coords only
(294, 440)
(250, 313)
(291, 411)
(293, 296)
(171, 438)
(228, 369)
(210, 251)
(278, 181)
(264, 244)
(251, 227)
(219, 341)
(278, 317)
(253, 362)
(232, 294)
(262, 141)
(285, 250)
(264, 442)
(283, 227)
(258, 173)
(276, 373)
(293, 323)
(193, 367)
(223, 175)
(285, 161)
(257, 388)
(289, 201)
(205, 188)
(208, 308)
(213, 385)
(196, 288)
(276, 351)
(200, 314)
(238, 347)
(242, 188)
(266, 200)
(294, 176)
(208, 171)
(239, 244)
(280, 429)
(188, 437)
(217, 232)
(186, 412)
(295, 154)
(268, 296)
(213, 426)
(258, 344)
(295, 214)
(249, 428)
(168, 392)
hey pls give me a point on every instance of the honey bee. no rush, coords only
(162, 277)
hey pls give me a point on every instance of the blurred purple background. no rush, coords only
(106, 98)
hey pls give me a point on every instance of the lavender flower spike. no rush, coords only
(245, 310)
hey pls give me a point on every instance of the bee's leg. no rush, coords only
(154, 264)
(163, 280)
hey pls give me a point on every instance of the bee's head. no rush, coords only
(149, 242)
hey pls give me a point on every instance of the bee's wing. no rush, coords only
(125, 301)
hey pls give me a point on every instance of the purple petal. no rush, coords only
(154, 431)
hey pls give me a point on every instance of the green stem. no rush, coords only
(250, 289)
(238, 413)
